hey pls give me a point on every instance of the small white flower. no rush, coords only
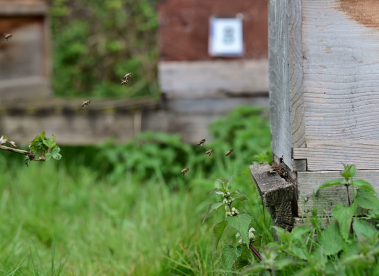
(251, 230)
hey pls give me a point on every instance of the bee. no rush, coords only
(269, 173)
(86, 103)
(184, 171)
(209, 152)
(282, 172)
(229, 152)
(8, 36)
(125, 82)
(202, 141)
(128, 75)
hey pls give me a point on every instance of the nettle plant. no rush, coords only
(348, 245)
(233, 257)
(40, 149)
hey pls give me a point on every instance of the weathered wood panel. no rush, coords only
(70, 130)
(308, 182)
(26, 58)
(213, 79)
(341, 84)
(184, 27)
(296, 80)
(280, 104)
(329, 155)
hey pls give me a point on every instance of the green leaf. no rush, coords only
(212, 207)
(218, 230)
(367, 199)
(373, 214)
(229, 255)
(349, 171)
(27, 160)
(218, 191)
(48, 156)
(257, 267)
(344, 216)
(330, 183)
(364, 228)
(56, 154)
(285, 262)
(240, 196)
(299, 231)
(241, 223)
(283, 234)
(364, 185)
(331, 239)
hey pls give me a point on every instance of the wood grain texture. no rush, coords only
(308, 182)
(213, 79)
(328, 155)
(341, 84)
(276, 193)
(296, 77)
(279, 89)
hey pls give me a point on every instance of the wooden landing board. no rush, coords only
(277, 194)
(308, 182)
(213, 79)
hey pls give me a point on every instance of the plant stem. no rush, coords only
(348, 195)
(255, 252)
(31, 155)
(24, 152)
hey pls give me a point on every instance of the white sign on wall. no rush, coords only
(225, 37)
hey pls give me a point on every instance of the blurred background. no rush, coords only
(116, 203)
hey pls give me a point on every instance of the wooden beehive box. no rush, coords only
(324, 95)
(25, 58)
(188, 71)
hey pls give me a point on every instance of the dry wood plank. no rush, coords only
(281, 126)
(296, 80)
(276, 193)
(70, 130)
(213, 79)
(341, 84)
(308, 182)
(328, 155)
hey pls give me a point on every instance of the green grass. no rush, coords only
(60, 221)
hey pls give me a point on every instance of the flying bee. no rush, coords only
(184, 171)
(229, 152)
(128, 75)
(8, 36)
(202, 141)
(209, 152)
(86, 103)
(269, 173)
(125, 82)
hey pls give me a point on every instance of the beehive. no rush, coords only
(25, 58)
(324, 95)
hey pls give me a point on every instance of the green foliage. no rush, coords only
(95, 43)
(150, 151)
(241, 223)
(347, 246)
